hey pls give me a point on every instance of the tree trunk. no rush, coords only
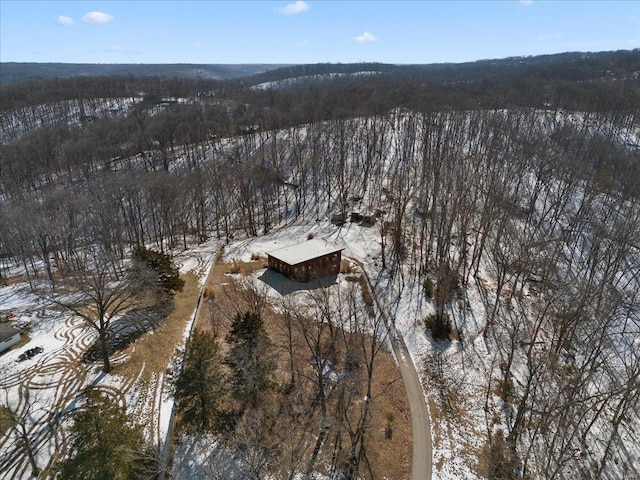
(104, 351)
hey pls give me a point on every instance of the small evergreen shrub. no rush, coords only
(448, 286)
(439, 325)
(428, 287)
(161, 263)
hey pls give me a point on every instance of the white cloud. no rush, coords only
(526, 2)
(66, 21)
(295, 7)
(97, 17)
(365, 37)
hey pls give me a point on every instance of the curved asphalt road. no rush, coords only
(420, 426)
(421, 460)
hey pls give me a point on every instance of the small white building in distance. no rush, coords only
(9, 336)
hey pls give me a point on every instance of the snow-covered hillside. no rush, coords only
(309, 79)
(513, 230)
(545, 312)
(16, 123)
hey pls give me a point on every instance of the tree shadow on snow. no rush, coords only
(126, 330)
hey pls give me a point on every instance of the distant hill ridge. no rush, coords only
(568, 66)
(573, 66)
(11, 72)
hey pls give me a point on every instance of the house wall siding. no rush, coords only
(311, 269)
(9, 342)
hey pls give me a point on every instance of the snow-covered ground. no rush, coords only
(55, 377)
(460, 376)
(450, 461)
(18, 122)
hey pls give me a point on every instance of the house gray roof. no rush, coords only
(7, 331)
(304, 251)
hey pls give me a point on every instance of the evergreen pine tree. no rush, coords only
(105, 445)
(250, 359)
(168, 275)
(200, 385)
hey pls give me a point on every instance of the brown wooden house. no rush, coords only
(307, 260)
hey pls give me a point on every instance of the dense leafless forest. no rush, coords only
(533, 180)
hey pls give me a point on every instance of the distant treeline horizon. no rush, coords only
(616, 62)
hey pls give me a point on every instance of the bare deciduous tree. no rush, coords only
(98, 293)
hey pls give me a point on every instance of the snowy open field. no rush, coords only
(56, 377)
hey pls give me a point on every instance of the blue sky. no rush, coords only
(309, 31)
